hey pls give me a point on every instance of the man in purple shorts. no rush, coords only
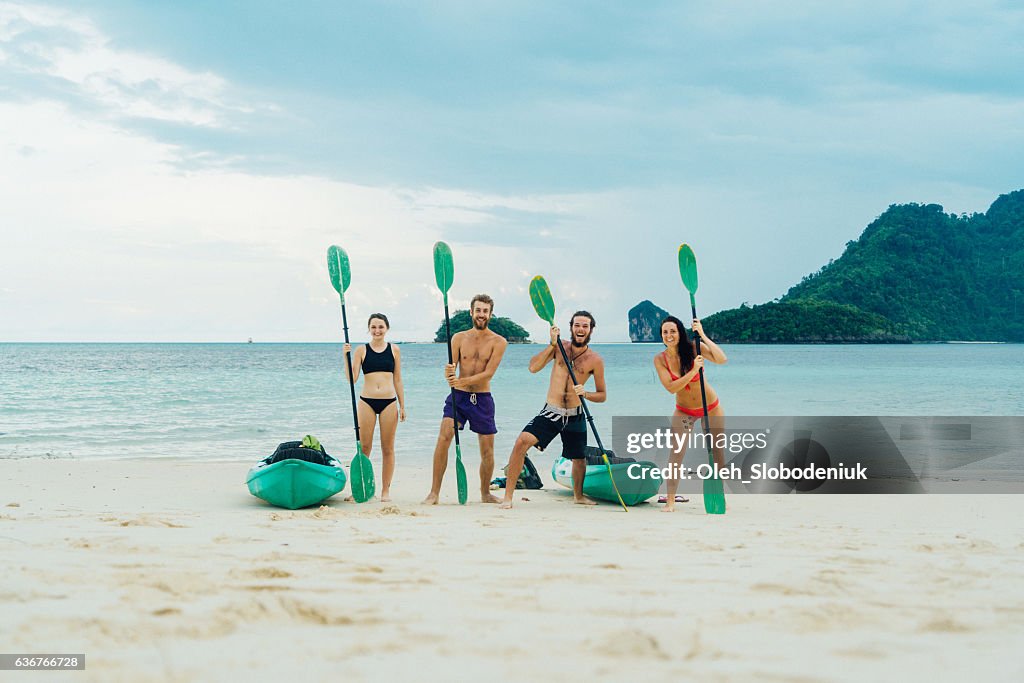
(477, 353)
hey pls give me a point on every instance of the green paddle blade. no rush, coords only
(540, 295)
(714, 496)
(361, 473)
(688, 268)
(338, 267)
(460, 477)
(444, 266)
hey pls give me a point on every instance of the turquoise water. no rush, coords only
(230, 401)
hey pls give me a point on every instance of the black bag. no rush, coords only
(294, 450)
(594, 457)
(529, 478)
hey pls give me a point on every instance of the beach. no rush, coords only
(168, 570)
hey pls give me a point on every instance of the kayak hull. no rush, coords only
(598, 485)
(294, 484)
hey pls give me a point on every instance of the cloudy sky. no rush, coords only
(170, 172)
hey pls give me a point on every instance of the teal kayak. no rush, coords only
(294, 482)
(598, 485)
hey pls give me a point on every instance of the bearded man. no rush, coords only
(562, 414)
(477, 353)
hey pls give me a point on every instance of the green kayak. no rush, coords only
(597, 484)
(296, 477)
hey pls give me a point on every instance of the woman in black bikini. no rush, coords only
(382, 397)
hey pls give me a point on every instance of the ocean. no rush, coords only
(238, 401)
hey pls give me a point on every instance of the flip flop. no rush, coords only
(680, 498)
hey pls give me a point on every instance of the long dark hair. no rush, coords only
(685, 347)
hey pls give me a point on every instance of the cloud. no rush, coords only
(68, 54)
(109, 238)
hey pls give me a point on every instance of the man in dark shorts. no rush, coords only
(477, 353)
(562, 414)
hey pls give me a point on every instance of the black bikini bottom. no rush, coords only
(378, 404)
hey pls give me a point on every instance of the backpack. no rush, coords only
(594, 457)
(309, 449)
(529, 478)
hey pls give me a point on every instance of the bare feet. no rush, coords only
(669, 507)
(350, 499)
(506, 505)
(488, 498)
(385, 496)
(584, 500)
(431, 499)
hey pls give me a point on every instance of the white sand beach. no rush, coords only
(170, 571)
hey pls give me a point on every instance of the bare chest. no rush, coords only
(476, 353)
(582, 364)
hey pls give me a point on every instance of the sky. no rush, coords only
(176, 171)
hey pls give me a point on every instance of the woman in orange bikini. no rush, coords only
(382, 397)
(678, 368)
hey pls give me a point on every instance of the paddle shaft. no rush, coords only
(703, 392)
(448, 339)
(351, 380)
(583, 401)
(590, 420)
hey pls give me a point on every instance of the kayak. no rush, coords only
(598, 485)
(307, 478)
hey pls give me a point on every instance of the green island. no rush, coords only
(508, 329)
(916, 274)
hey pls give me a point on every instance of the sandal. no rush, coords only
(680, 498)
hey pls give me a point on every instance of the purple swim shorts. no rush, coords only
(475, 408)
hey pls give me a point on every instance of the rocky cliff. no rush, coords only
(645, 322)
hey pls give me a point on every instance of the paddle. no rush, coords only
(444, 273)
(540, 295)
(360, 470)
(714, 493)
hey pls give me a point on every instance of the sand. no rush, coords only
(168, 570)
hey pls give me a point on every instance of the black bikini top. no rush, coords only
(379, 362)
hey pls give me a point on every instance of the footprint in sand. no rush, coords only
(269, 573)
(274, 608)
(631, 643)
(375, 539)
(944, 625)
(324, 512)
(144, 521)
(261, 573)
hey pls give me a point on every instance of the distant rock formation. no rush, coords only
(645, 322)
